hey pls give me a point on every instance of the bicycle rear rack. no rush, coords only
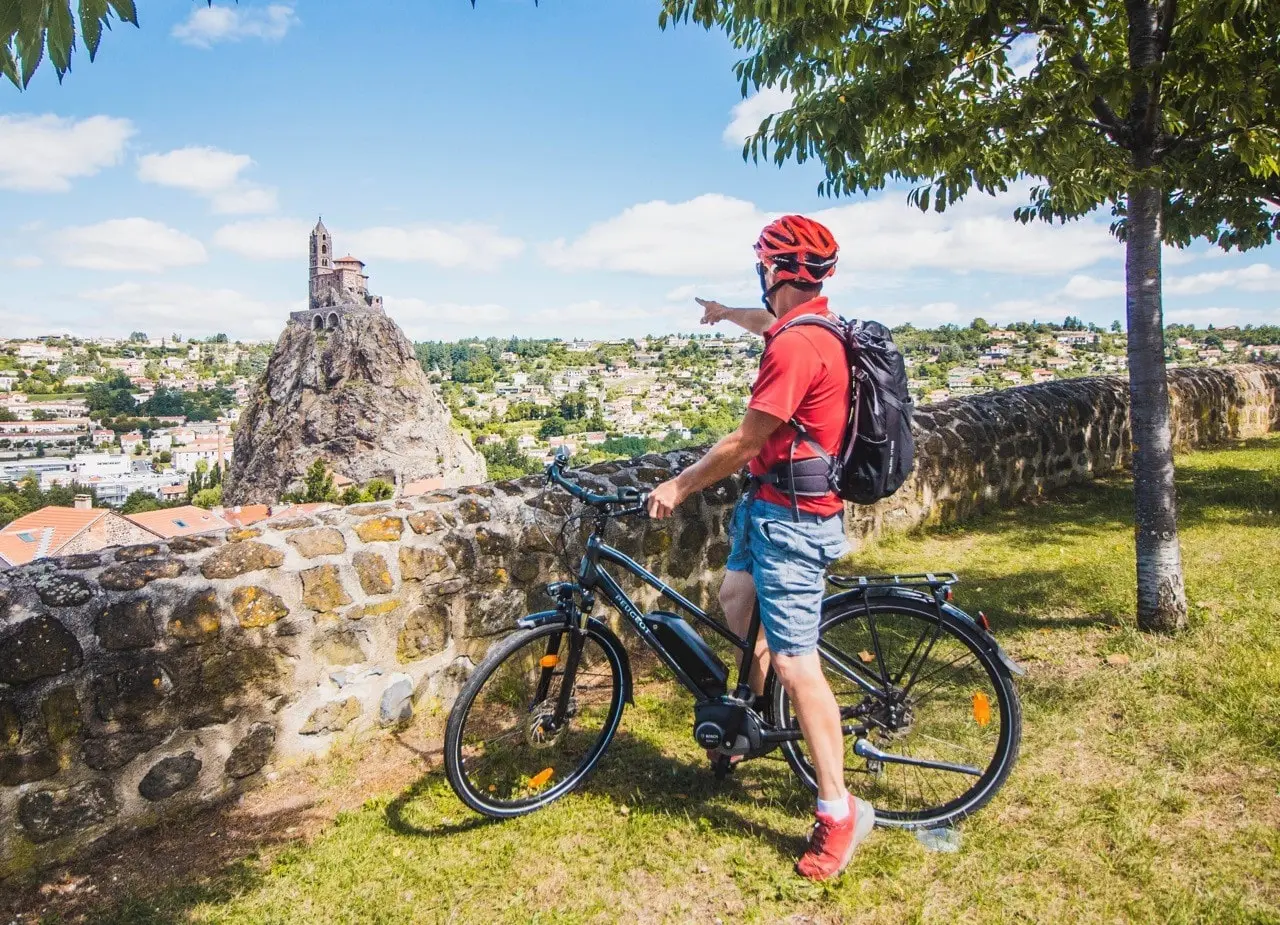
(932, 580)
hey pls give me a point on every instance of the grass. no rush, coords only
(1148, 788)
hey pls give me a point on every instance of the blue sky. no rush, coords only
(566, 170)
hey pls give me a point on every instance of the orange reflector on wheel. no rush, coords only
(542, 776)
(549, 661)
(981, 709)
(866, 656)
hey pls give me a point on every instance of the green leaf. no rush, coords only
(61, 35)
(126, 10)
(8, 66)
(93, 14)
(29, 41)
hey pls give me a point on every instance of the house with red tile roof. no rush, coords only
(179, 521)
(63, 531)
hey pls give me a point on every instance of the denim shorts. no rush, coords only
(787, 561)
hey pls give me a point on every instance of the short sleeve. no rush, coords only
(787, 370)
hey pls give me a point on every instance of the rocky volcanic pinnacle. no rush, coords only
(354, 396)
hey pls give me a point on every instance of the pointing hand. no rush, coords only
(712, 311)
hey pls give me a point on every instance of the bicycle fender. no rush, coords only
(542, 618)
(984, 635)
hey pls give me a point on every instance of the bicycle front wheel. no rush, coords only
(534, 719)
(944, 718)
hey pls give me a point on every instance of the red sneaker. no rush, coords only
(831, 844)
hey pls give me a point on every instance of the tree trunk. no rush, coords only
(1162, 599)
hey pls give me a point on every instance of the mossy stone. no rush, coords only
(256, 607)
(198, 619)
(322, 588)
(380, 529)
(371, 569)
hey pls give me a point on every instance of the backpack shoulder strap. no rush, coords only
(822, 321)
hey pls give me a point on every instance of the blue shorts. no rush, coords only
(787, 561)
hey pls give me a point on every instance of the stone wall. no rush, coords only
(139, 682)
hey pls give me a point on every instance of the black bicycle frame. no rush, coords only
(592, 577)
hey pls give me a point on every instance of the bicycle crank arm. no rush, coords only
(864, 749)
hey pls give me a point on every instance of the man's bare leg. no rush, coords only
(819, 715)
(738, 599)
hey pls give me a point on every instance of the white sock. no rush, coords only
(836, 809)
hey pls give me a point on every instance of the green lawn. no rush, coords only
(1148, 787)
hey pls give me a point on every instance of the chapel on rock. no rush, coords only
(337, 286)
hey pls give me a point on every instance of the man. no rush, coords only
(785, 532)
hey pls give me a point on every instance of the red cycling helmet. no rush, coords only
(799, 248)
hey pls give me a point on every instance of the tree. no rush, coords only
(208, 497)
(140, 502)
(138, 337)
(1115, 327)
(1164, 110)
(318, 483)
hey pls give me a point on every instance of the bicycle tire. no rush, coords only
(478, 799)
(1005, 756)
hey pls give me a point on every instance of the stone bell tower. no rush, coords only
(321, 255)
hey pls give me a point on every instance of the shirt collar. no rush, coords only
(815, 306)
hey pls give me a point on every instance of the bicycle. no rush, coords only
(537, 715)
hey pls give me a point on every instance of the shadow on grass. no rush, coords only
(635, 772)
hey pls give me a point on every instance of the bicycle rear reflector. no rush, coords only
(549, 661)
(545, 774)
(981, 709)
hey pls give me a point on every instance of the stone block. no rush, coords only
(489, 612)
(62, 715)
(198, 619)
(185, 545)
(396, 704)
(473, 512)
(256, 607)
(131, 576)
(418, 563)
(321, 541)
(242, 534)
(239, 558)
(371, 569)
(377, 609)
(10, 725)
(108, 753)
(251, 752)
(28, 767)
(58, 589)
(291, 523)
(425, 631)
(332, 717)
(37, 648)
(233, 681)
(127, 625)
(424, 522)
(78, 562)
(385, 529)
(138, 551)
(134, 696)
(322, 588)
(49, 814)
(170, 776)
(339, 647)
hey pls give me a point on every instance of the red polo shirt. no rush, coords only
(804, 374)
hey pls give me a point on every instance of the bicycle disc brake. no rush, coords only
(540, 730)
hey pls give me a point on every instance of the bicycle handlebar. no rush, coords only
(626, 494)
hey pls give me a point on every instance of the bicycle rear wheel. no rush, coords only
(519, 735)
(942, 697)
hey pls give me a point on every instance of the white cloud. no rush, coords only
(422, 319)
(1090, 287)
(190, 309)
(266, 239)
(44, 153)
(1257, 277)
(137, 244)
(210, 173)
(472, 245)
(208, 25)
(711, 236)
(746, 116)
(25, 262)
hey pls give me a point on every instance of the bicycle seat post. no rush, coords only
(743, 690)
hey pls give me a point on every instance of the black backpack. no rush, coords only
(878, 450)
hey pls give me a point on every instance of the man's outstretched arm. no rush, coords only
(729, 455)
(755, 320)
